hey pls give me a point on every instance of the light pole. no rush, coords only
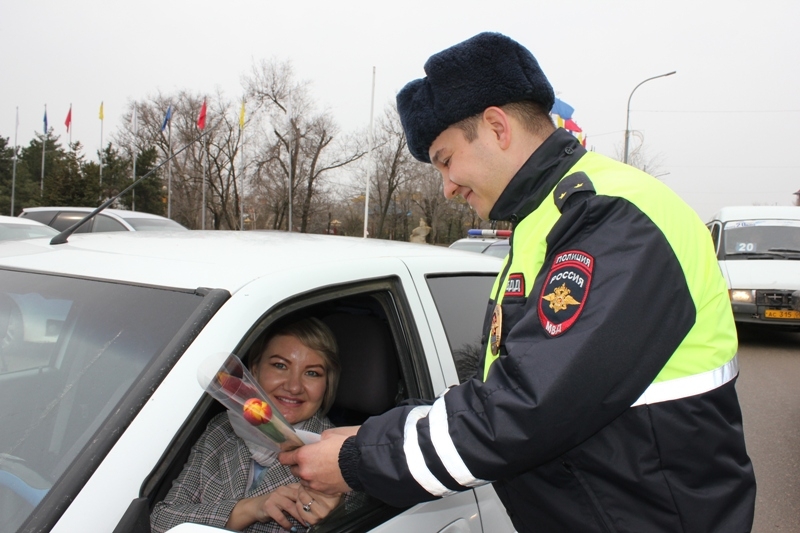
(628, 115)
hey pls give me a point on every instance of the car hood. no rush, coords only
(761, 274)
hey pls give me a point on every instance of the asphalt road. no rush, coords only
(769, 392)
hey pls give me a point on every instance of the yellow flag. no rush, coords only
(101, 111)
(241, 116)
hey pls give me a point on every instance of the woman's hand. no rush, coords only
(314, 506)
(271, 506)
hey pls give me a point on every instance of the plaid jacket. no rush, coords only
(215, 478)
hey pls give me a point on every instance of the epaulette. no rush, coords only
(571, 185)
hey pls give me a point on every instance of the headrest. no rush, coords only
(370, 374)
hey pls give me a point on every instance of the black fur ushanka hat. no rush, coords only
(486, 70)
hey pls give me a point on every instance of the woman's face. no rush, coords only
(293, 376)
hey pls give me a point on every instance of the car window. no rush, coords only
(16, 232)
(39, 216)
(499, 249)
(715, 228)
(382, 364)
(462, 305)
(65, 219)
(153, 224)
(471, 245)
(70, 350)
(103, 223)
(747, 237)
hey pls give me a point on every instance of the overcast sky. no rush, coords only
(724, 129)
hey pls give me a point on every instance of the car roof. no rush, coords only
(213, 259)
(751, 212)
(122, 213)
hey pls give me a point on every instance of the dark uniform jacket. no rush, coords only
(610, 404)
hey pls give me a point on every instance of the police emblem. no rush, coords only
(495, 332)
(565, 290)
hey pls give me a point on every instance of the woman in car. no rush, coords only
(229, 480)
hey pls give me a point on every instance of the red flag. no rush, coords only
(201, 120)
(571, 125)
(68, 122)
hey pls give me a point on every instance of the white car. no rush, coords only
(101, 339)
(485, 241)
(15, 229)
(758, 248)
(62, 218)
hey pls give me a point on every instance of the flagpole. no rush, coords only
(369, 160)
(14, 165)
(289, 113)
(101, 144)
(203, 203)
(169, 169)
(241, 179)
(44, 143)
(133, 149)
(70, 125)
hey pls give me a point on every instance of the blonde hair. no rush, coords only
(314, 334)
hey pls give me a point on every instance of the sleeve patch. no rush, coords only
(564, 291)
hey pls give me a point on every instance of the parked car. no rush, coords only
(102, 339)
(61, 218)
(758, 248)
(485, 241)
(16, 229)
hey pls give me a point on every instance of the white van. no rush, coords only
(758, 248)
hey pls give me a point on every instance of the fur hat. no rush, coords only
(486, 70)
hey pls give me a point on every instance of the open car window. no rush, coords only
(382, 364)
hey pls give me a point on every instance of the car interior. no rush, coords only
(380, 368)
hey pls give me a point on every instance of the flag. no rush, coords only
(45, 120)
(134, 121)
(562, 109)
(167, 118)
(102, 116)
(571, 125)
(241, 116)
(68, 122)
(201, 120)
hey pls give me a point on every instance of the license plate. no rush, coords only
(782, 313)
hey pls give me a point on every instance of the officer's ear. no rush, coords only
(498, 123)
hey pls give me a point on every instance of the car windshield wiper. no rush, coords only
(756, 255)
(788, 253)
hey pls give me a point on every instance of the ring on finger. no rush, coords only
(307, 506)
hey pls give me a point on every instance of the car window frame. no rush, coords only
(391, 294)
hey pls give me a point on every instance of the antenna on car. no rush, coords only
(62, 237)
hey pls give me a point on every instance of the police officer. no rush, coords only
(605, 399)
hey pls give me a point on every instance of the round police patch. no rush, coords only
(565, 290)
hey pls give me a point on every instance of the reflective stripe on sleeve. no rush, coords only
(446, 450)
(678, 388)
(414, 458)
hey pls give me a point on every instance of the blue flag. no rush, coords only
(45, 121)
(166, 118)
(562, 109)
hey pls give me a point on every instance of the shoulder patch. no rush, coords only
(572, 184)
(565, 290)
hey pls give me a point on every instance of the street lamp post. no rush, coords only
(628, 114)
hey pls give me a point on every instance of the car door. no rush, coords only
(123, 479)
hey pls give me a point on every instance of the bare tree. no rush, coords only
(299, 149)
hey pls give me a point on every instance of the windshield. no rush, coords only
(775, 238)
(18, 232)
(70, 349)
(471, 246)
(153, 224)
